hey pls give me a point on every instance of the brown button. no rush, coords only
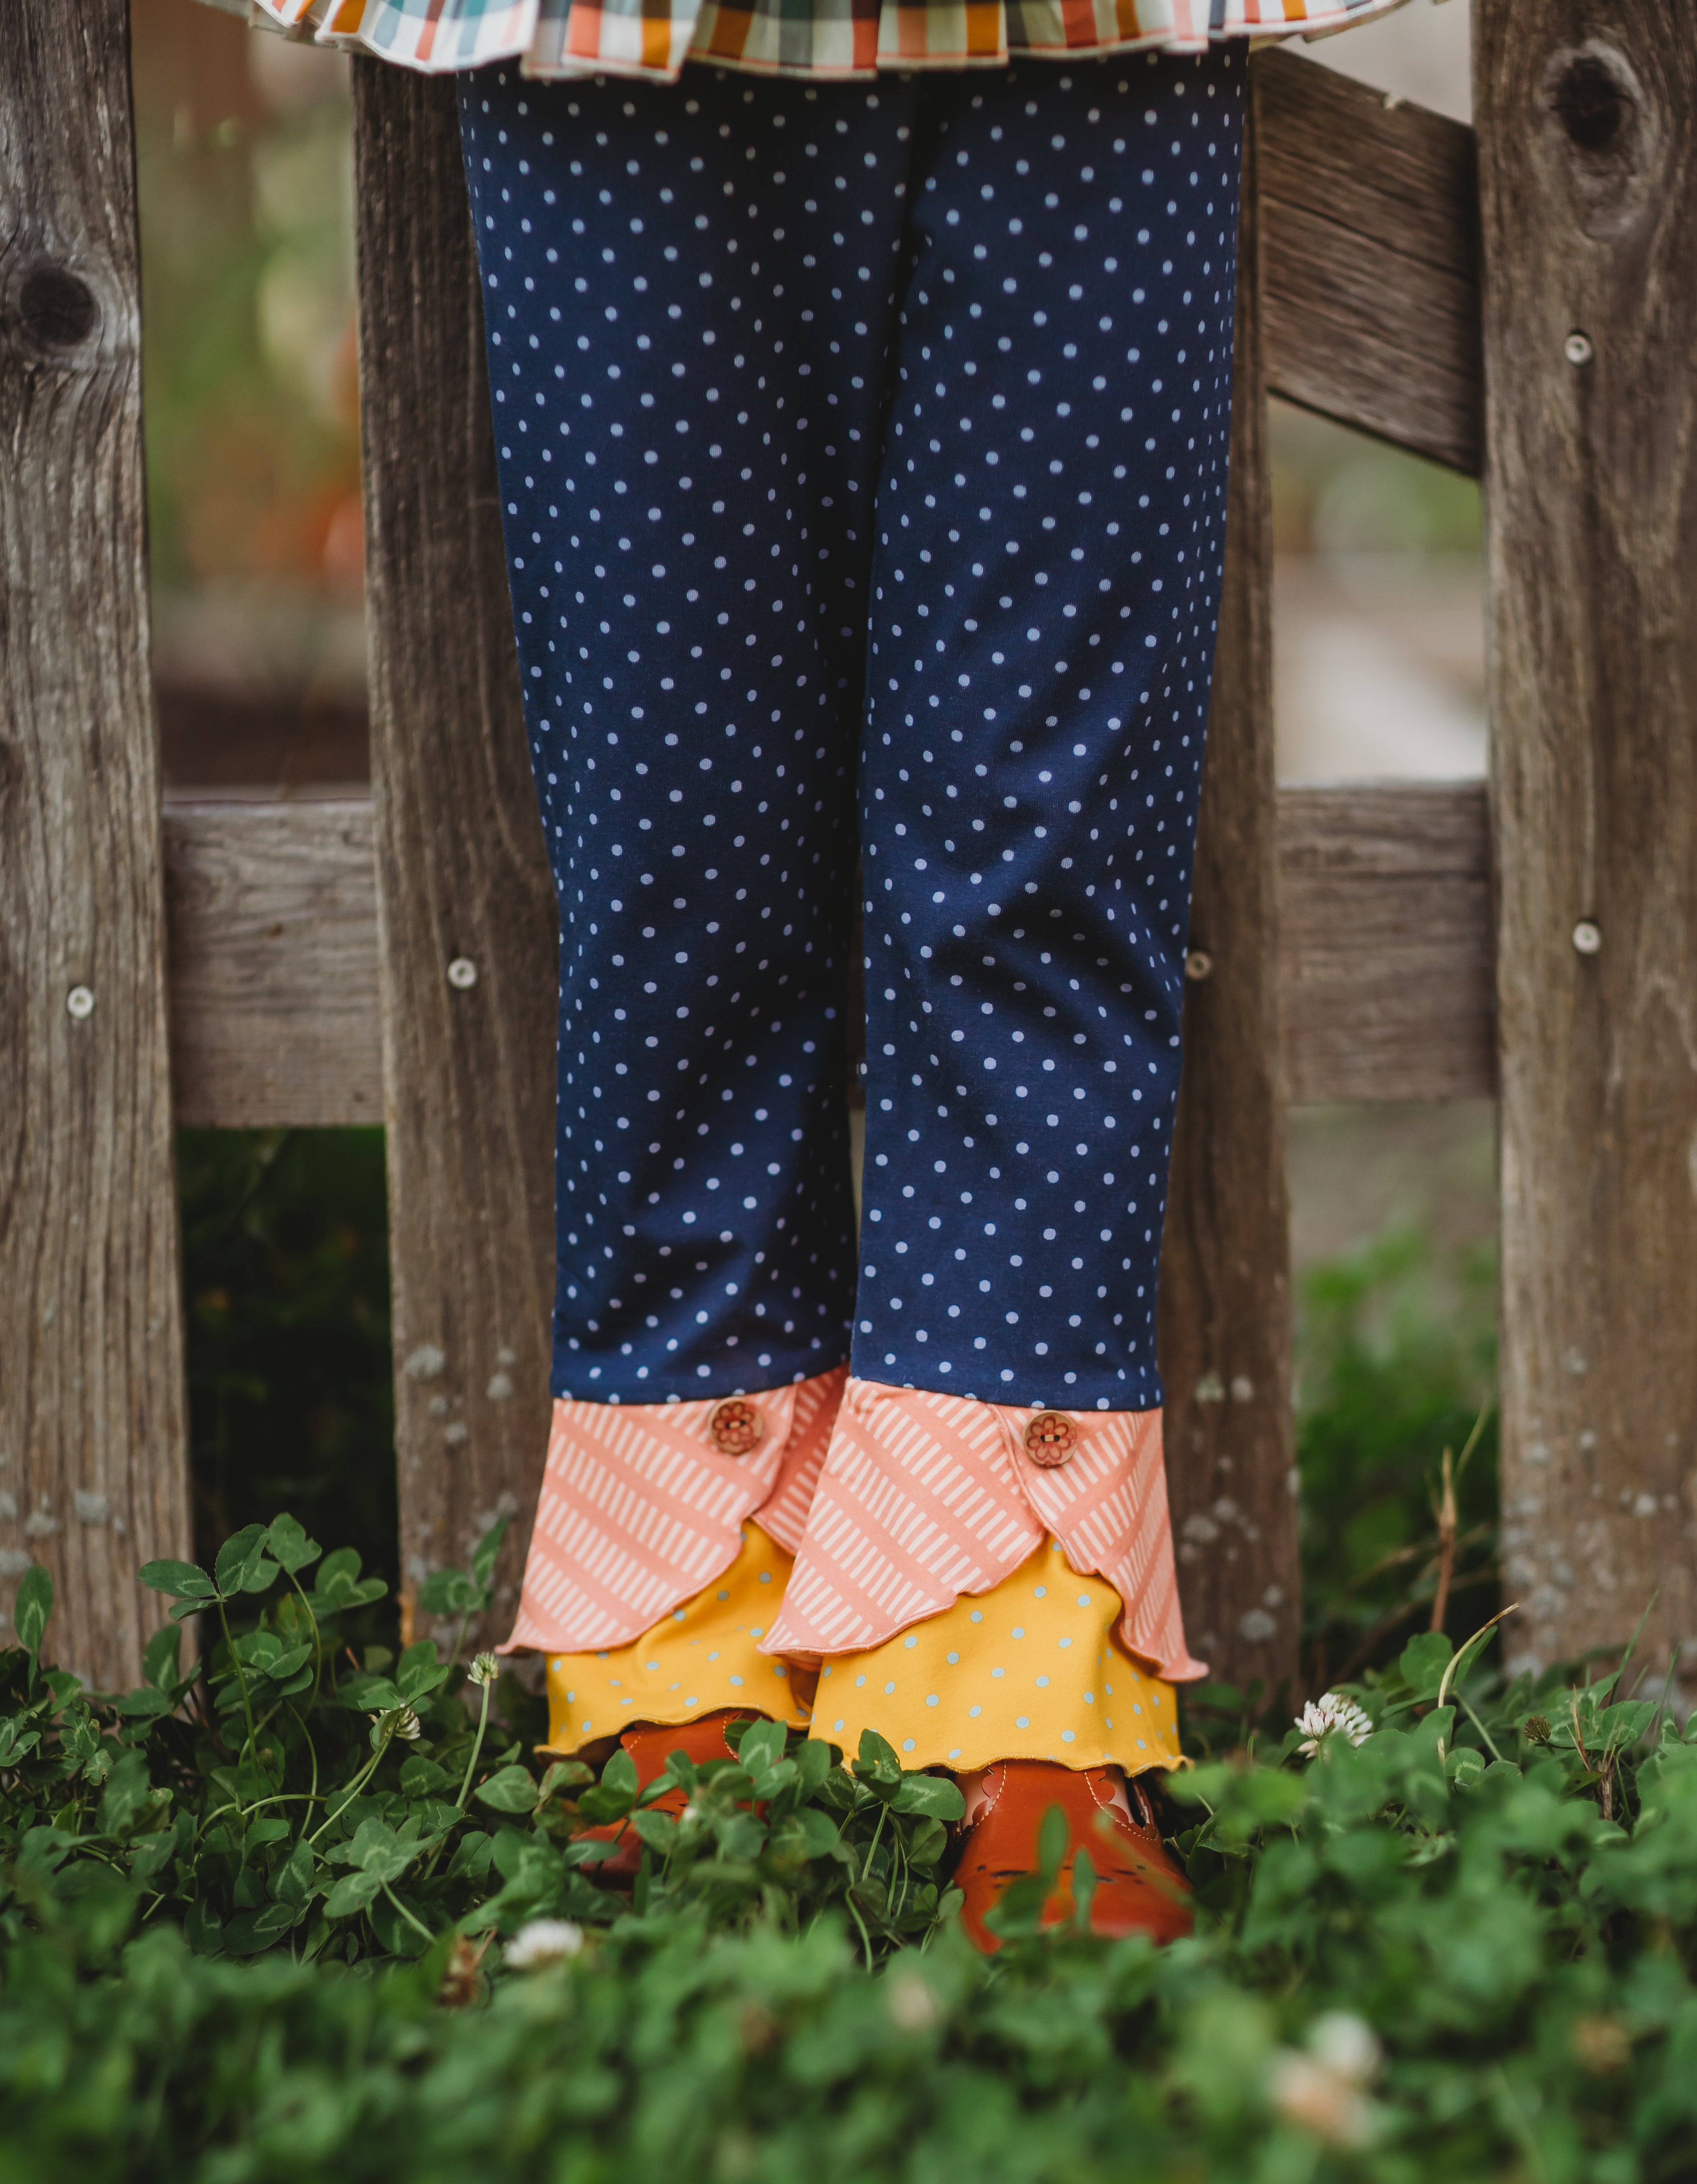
(1050, 1440)
(736, 1427)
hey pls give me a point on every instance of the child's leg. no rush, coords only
(1051, 526)
(1051, 522)
(689, 294)
(681, 459)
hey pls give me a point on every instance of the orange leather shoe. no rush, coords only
(650, 1746)
(1139, 1889)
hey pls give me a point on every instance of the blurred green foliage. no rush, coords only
(286, 1271)
(248, 315)
(1396, 1361)
(1338, 493)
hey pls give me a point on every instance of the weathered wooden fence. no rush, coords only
(1520, 307)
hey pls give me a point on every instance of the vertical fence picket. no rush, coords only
(1587, 141)
(1225, 1298)
(93, 1472)
(467, 926)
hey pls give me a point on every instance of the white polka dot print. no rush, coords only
(868, 439)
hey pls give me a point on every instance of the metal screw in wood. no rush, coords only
(462, 972)
(1587, 937)
(1199, 964)
(1578, 348)
(80, 1002)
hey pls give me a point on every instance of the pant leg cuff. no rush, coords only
(640, 1508)
(923, 1497)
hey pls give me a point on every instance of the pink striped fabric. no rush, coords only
(923, 1497)
(639, 1510)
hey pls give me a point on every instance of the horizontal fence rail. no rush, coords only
(272, 918)
(1385, 961)
(1370, 264)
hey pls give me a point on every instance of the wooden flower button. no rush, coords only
(1050, 1440)
(736, 1427)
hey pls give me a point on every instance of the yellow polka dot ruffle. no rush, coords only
(699, 1660)
(1032, 1669)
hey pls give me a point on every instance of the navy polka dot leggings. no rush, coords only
(864, 447)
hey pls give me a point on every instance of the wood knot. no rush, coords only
(1592, 103)
(56, 309)
(1607, 132)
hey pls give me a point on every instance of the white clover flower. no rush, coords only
(1305, 2092)
(1324, 2090)
(483, 1670)
(1331, 1715)
(911, 2003)
(399, 1721)
(543, 1941)
(1341, 2042)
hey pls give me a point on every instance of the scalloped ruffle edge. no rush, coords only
(557, 39)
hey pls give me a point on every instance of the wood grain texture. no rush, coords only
(275, 998)
(1225, 1292)
(93, 1474)
(461, 875)
(1588, 117)
(1387, 972)
(1370, 260)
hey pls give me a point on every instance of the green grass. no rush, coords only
(1396, 1362)
(286, 1275)
(270, 1919)
(261, 1919)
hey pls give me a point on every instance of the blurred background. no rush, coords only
(245, 156)
(245, 175)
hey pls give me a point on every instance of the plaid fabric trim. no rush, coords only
(792, 37)
(555, 38)
(435, 36)
(276, 14)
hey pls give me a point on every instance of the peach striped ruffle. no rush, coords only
(639, 1510)
(924, 1498)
